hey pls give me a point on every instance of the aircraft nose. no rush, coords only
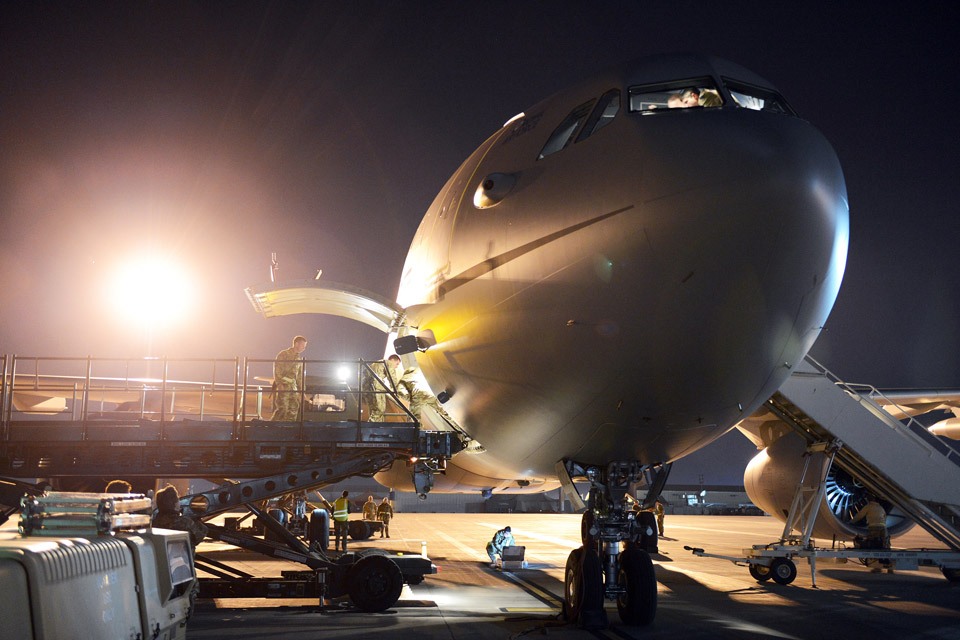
(757, 191)
(747, 231)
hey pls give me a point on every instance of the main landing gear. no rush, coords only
(614, 561)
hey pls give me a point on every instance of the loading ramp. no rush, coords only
(86, 417)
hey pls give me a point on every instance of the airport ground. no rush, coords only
(698, 597)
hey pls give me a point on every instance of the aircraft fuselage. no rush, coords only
(636, 293)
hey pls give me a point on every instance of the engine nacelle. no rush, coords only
(771, 480)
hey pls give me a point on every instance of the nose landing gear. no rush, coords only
(614, 561)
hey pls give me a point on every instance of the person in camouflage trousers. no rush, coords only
(287, 374)
(388, 371)
(417, 398)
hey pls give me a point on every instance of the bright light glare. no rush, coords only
(342, 372)
(151, 292)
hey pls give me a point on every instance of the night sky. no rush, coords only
(215, 133)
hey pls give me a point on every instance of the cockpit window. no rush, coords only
(680, 94)
(750, 97)
(604, 113)
(564, 133)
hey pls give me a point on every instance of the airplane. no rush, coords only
(609, 283)
(612, 281)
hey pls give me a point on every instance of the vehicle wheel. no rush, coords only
(572, 583)
(760, 572)
(318, 532)
(371, 552)
(268, 534)
(358, 530)
(374, 583)
(783, 571)
(647, 521)
(592, 615)
(638, 605)
(953, 575)
(586, 523)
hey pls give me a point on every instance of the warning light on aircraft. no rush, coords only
(151, 292)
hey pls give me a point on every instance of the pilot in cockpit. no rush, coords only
(710, 98)
(690, 98)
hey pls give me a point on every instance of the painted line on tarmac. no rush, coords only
(539, 593)
(470, 551)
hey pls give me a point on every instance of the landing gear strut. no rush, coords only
(614, 561)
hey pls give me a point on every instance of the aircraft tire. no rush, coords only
(586, 523)
(374, 583)
(760, 572)
(638, 606)
(572, 585)
(592, 615)
(783, 571)
(268, 533)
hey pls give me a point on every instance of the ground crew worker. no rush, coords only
(341, 513)
(369, 509)
(417, 398)
(658, 511)
(501, 539)
(877, 536)
(876, 518)
(287, 374)
(389, 372)
(384, 513)
(169, 516)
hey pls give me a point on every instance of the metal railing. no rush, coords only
(81, 391)
(909, 426)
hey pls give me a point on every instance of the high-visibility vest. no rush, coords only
(340, 511)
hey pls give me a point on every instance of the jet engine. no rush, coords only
(771, 480)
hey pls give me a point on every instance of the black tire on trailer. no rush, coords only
(374, 583)
(358, 530)
(760, 572)
(783, 571)
(372, 552)
(318, 533)
(638, 605)
(572, 583)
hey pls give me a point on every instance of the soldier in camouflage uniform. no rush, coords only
(418, 398)
(168, 515)
(287, 373)
(388, 371)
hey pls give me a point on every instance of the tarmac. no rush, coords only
(697, 597)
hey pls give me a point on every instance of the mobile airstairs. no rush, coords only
(904, 464)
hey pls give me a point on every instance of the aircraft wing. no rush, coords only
(903, 403)
(763, 427)
(332, 298)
